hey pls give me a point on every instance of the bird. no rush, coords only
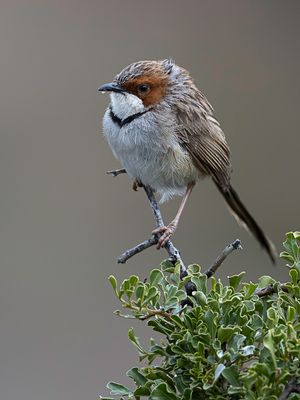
(163, 131)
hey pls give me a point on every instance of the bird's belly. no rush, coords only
(156, 160)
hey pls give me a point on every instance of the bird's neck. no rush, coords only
(126, 105)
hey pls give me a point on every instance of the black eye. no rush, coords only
(143, 88)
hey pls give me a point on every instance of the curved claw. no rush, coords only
(136, 184)
(166, 234)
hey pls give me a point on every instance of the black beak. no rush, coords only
(111, 87)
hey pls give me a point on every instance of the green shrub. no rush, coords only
(234, 341)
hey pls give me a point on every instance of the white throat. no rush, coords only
(125, 104)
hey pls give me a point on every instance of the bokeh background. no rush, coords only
(64, 222)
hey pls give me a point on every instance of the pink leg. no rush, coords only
(168, 231)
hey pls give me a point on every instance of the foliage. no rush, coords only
(226, 342)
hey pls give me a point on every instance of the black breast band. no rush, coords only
(122, 122)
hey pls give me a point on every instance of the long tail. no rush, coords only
(242, 215)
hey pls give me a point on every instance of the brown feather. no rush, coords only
(202, 137)
(157, 85)
(242, 215)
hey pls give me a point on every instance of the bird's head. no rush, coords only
(140, 86)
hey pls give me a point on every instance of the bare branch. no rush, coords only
(116, 172)
(155, 207)
(270, 289)
(153, 313)
(236, 245)
(137, 249)
(173, 252)
(291, 387)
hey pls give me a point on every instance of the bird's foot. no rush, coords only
(136, 184)
(166, 232)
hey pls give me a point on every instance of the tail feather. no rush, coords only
(242, 215)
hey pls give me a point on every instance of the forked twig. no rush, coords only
(236, 245)
(173, 252)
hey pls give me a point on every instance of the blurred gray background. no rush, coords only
(64, 222)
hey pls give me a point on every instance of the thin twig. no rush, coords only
(291, 387)
(236, 245)
(270, 289)
(137, 249)
(153, 313)
(155, 207)
(116, 172)
(173, 252)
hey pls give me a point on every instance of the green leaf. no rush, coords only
(262, 369)
(256, 322)
(171, 303)
(286, 256)
(294, 396)
(177, 320)
(209, 317)
(292, 253)
(248, 350)
(188, 395)
(118, 389)
(200, 298)
(138, 378)
(218, 371)
(142, 391)
(291, 314)
(249, 289)
(161, 392)
(106, 398)
(125, 285)
(225, 333)
(200, 283)
(236, 341)
(213, 283)
(161, 326)
(181, 385)
(167, 266)
(231, 375)
(150, 295)
(194, 269)
(133, 280)
(235, 280)
(135, 340)
(269, 344)
(189, 322)
(272, 317)
(156, 276)
(294, 274)
(265, 280)
(113, 283)
(139, 292)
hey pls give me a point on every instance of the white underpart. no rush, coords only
(125, 104)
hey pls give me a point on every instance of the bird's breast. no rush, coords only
(148, 148)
